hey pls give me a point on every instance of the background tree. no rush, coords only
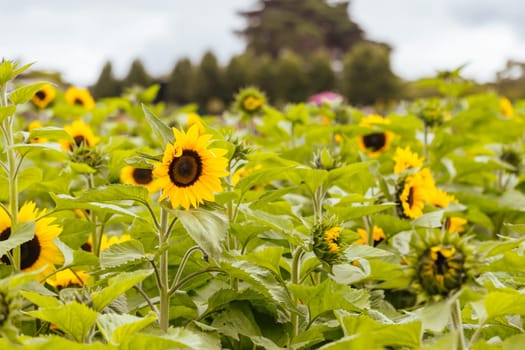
(301, 26)
(367, 76)
(321, 76)
(209, 81)
(107, 85)
(180, 88)
(293, 82)
(267, 77)
(137, 75)
(239, 73)
(510, 81)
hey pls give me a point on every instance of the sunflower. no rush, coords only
(105, 242)
(80, 97)
(81, 133)
(36, 124)
(139, 177)
(194, 119)
(43, 97)
(414, 193)
(244, 172)
(455, 224)
(249, 101)
(440, 198)
(67, 279)
(377, 142)
(39, 251)
(190, 172)
(405, 159)
(506, 107)
(378, 234)
(441, 262)
(327, 241)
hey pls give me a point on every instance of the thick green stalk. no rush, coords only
(7, 128)
(295, 278)
(457, 323)
(96, 233)
(164, 295)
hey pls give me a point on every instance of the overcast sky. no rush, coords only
(77, 37)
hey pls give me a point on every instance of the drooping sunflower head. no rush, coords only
(68, 279)
(441, 262)
(139, 177)
(506, 107)
(328, 244)
(76, 96)
(41, 250)
(413, 193)
(405, 159)
(44, 97)
(190, 172)
(81, 133)
(249, 101)
(377, 233)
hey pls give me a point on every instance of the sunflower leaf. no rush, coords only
(118, 192)
(158, 125)
(51, 132)
(73, 318)
(25, 93)
(20, 233)
(116, 327)
(118, 285)
(122, 253)
(6, 111)
(208, 229)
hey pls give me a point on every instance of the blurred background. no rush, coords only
(204, 51)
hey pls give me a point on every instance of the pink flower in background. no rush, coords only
(325, 97)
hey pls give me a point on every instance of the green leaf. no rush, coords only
(25, 93)
(353, 212)
(432, 219)
(223, 297)
(20, 233)
(269, 257)
(159, 127)
(50, 132)
(355, 251)
(122, 253)
(208, 229)
(118, 285)
(6, 111)
(63, 202)
(48, 147)
(118, 192)
(82, 168)
(504, 303)
(116, 328)
(405, 334)
(435, 317)
(329, 296)
(28, 177)
(73, 318)
(343, 175)
(40, 300)
(236, 320)
(262, 177)
(194, 340)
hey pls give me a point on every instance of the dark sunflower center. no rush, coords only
(375, 141)
(185, 170)
(41, 95)
(142, 176)
(78, 101)
(441, 264)
(86, 247)
(79, 140)
(410, 198)
(29, 251)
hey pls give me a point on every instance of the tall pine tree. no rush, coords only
(107, 85)
(137, 75)
(180, 87)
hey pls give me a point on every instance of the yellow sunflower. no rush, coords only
(377, 142)
(194, 119)
(43, 97)
(139, 177)
(440, 198)
(105, 242)
(79, 96)
(81, 133)
(36, 124)
(249, 101)
(378, 234)
(41, 250)
(67, 279)
(414, 193)
(506, 107)
(455, 224)
(404, 159)
(190, 172)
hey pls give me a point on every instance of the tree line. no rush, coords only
(363, 75)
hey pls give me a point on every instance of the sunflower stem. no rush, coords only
(96, 233)
(369, 230)
(318, 198)
(295, 278)
(164, 309)
(183, 263)
(7, 129)
(425, 142)
(458, 325)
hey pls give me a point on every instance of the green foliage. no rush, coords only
(107, 85)
(180, 87)
(137, 75)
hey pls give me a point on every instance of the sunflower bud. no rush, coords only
(328, 245)
(324, 159)
(89, 156)
(249, 101)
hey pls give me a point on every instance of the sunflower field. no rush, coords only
(128, 224)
